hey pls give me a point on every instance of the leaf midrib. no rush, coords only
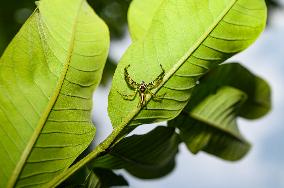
(19, 167)
(182, 60)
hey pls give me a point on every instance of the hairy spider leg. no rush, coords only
(157, 98)
(130, 82)
(129, 97)
(155, 83)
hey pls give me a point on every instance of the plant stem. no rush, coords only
(98, 150)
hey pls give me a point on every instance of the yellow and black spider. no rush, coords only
(143, 88)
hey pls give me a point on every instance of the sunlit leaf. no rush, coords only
(187, 38)
(140, 15)
(47, 76)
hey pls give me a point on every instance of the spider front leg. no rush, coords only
(129, 97)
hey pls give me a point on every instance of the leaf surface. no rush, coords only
(47, 76)
(187, 38)
(208, 122)
(258, 91)
(146, 156)
(96, 178)
(211, 126)
(140, 15)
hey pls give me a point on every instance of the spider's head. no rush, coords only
(142, 87)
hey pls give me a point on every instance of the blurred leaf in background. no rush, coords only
(114, 13)
(272, 4)
(13, 14)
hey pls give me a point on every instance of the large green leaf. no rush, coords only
(209, 120)
(187, 38)
(146, 156)
(47, 76)
(140, 15)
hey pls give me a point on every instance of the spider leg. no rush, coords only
(130, 82)
(155, 83)
(157, 98)
(129, 97)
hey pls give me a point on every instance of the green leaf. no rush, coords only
(108, 178)
(211, 125)
(47, 76)
(96, 178)
(146, 156)
(187, 38)
(209, 121)
(82, 178)
(140, 15)
(258, 92)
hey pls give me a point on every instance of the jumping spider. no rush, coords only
(143, 88)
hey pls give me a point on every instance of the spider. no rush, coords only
(143, 88)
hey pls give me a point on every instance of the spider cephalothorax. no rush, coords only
(143, 88)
